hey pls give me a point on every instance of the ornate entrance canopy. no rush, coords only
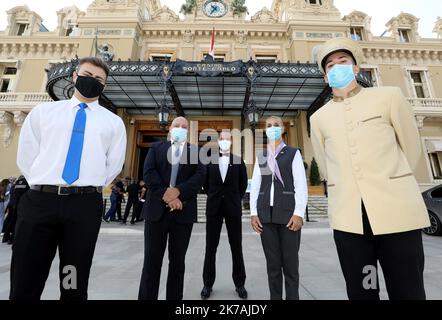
(205, 88)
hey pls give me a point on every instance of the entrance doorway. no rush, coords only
(147, 139)
(146, 133)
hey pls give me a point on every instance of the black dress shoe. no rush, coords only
(242, 292)
(205, 293)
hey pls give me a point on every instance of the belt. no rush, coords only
(66, 191)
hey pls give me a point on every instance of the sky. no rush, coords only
(381, 11)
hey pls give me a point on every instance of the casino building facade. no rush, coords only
(264, 65)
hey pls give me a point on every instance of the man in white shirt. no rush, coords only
(225, 185)
(278, 199)
(68, 151)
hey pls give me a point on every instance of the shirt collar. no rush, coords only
(351, 94)
(91, 105)
(178, 144)
(278, 148)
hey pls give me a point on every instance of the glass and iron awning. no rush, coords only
(204, 88)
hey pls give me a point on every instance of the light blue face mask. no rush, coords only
(178, 135)
(274, 133)
(340, 76)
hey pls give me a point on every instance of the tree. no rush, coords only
(188, 6)
(315, 178)
(239, 7)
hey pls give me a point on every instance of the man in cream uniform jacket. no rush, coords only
(367, 145)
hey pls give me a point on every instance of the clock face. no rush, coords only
(215, 9)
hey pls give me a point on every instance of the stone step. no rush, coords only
(317, 205)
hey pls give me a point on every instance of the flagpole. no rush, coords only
(212, 44)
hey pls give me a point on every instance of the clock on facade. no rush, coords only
(215, 8)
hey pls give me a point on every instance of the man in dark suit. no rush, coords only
(120, 199)
(226, 184)
(174, 175)
(132, 201)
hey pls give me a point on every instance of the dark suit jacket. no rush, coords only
(228, 194)
(157, 172)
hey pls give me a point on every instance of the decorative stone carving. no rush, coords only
(420, 122)
(360, 19)
(188, 36)
(19, 118)
(113, 8)
(105, 3)
(264, 16)
(357, 17)
(165, 14)
(438, 27)
(404, 21)
(23, 15)
(7, 122)
(241, 36)
(301, 9)
(106, 52)
(68, 20)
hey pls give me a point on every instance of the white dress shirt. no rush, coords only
(300, 187)
(224, 162)
(175, 146)
(45, 138)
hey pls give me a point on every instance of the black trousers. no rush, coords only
(138, 210)
(214, 225)
(130, 202)
(47, 222)
(156, 236)
(119, 202)
(281, 247)
(401, 256)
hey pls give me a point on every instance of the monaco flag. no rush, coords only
(212, 45)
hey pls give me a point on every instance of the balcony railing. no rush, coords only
(23, 99)
(32, 99)
(426, 103)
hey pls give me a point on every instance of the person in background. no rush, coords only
(132, 201)
(8, 190)
(121, 184)
(18, 189)
(3, 188)
(142, 199)
(115, 193)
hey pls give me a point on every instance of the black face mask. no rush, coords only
(89, 87)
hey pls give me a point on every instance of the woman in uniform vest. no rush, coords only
(278, 200)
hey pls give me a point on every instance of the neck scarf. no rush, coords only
(272, 163)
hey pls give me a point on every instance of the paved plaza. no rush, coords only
(118, 262)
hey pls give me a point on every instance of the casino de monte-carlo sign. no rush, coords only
(208, 68)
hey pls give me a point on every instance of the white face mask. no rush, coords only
(225, 145)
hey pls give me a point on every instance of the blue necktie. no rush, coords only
(71, 170)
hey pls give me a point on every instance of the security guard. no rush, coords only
(367, 145)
